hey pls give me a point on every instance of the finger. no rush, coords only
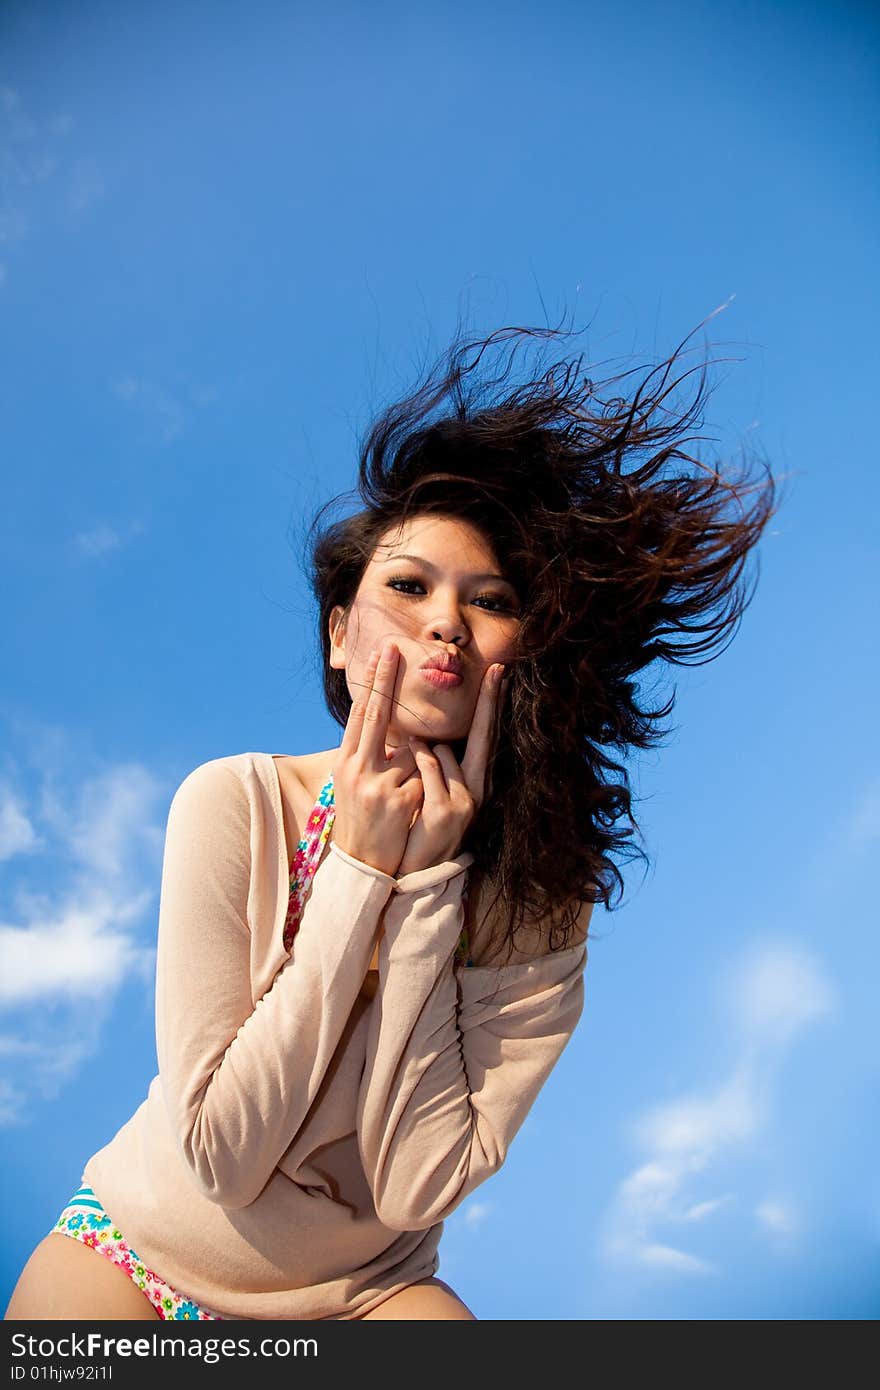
(378, 711)
(354, 723)
(456, 781)
(482, 731)
(431, 769)
(453, 773)
(417, 803)
(403, 759)
(398, 754)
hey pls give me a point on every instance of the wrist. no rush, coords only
(362, 864)
(414, 864)
(433, 875)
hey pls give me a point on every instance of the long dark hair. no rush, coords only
(615, 550)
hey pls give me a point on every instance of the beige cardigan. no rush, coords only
(301, 1145)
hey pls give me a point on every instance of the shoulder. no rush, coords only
(214, 789)
(218, 771)
(243, 768)
(487, 927)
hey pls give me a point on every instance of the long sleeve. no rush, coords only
(238, 1078)
(455, 1059)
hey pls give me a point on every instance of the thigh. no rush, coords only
(428, 1299)
(65, 1279)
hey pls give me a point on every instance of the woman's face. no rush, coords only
(445, 597)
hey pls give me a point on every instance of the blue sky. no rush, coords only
(227, 235)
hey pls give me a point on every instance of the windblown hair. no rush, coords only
(614, 550)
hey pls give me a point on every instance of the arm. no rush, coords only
(448, 1081)
(238, 1076)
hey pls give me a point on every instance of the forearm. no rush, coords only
(413, 1055)
(455, 1059)
(237, 1101)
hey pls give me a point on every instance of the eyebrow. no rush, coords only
(428, 566)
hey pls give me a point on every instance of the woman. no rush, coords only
(370, 958)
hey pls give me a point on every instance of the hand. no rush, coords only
(375, 796)
(453, 795)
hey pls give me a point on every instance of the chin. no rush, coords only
(443, 738)
(457, 743)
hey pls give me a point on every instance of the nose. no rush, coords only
(444, 620)
(447, 626)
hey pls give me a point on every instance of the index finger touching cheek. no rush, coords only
(482, 726)
(359, 701)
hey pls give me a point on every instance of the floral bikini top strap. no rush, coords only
(308, 856)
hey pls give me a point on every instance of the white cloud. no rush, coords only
(694, 1126)
(777, 990)
(776, 1216)
(156, 404)
(45, 1066)
(17, 834)
(12, 1103)
(29, 155)
(476, 1212)
(67, 948)
(86, 186)
(666, 1257)
(863, 829)
(103, 539)
(162, 406)
(83, 953)
(701, 1209)
(99, 541)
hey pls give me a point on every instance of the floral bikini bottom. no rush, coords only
(85, 1219)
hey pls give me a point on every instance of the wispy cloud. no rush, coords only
(102, 539)
(25, 158)
(17, 834)
(164, 409)
(86, 186)
(33, 153)
(70, 944)
(38, 1070)
(863, 828)
(777, 1216)
(471, 1216)
(702, 1209)
(667, 1257)
(475, 1213)
(154, 403)
(774, 994)
(13, 225)
(11, 1103)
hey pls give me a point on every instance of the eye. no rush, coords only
(502, 606)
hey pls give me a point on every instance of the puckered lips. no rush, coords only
(443, 669)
